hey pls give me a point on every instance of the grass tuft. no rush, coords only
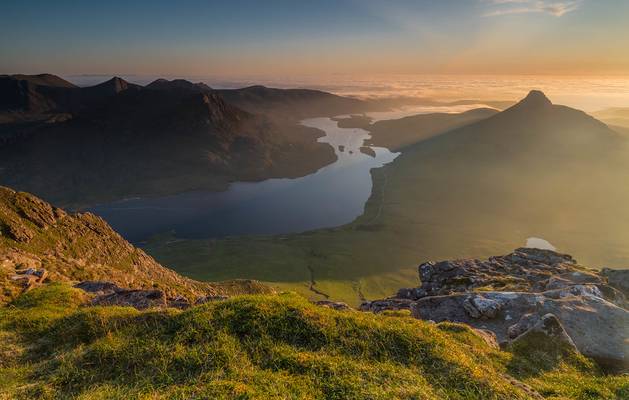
(262, 347)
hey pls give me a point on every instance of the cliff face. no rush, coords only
(41, 243)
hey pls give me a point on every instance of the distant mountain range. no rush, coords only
(77, 146)
(293, 103)
(48, 93)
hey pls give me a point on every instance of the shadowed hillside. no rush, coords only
(293, 104)
(400, 133)
(117, 140)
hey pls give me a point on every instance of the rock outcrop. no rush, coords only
(29, 277)
(109, 294)
(619, 279)
(523, 270)
(335, 305)
(392, 304)
(525, 292)
(598, 328)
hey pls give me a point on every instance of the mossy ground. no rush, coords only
(263, 347)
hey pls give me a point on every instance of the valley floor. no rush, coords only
(379, 252)
(370, 258)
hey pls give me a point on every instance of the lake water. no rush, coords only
(539, 243)
(333, 196)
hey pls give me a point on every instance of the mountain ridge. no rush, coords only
(82, 247)
(164, 84)
(567, 130)
(198, 140)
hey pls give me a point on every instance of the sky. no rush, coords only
(324, 37)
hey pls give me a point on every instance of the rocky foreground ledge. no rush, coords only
(527, 293)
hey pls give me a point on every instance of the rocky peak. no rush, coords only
(181, 84)
(535, 100)
(115, 84)
(208, 109)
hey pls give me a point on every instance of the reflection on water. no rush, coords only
(537, 243)
(333, 196)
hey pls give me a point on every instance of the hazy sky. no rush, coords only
(278, 38)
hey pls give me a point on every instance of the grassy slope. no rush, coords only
(265, 347)
(73, 247)
(400, 133)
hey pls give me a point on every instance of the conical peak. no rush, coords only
(535, 98)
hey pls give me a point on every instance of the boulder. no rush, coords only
(575, 290)
(28, 278)
(573, 278)
(140, 299)
(478, 306)
(178, 302)
(598, 328)
(378, 306)
(526, 322)
(614, 295)
(39, 274)
(98, 288)
(335, 305)
(531, 256)
(549, 328)
(617, 278)
(16, 231)
(35, 210)
(410, 293)
(110, 294)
